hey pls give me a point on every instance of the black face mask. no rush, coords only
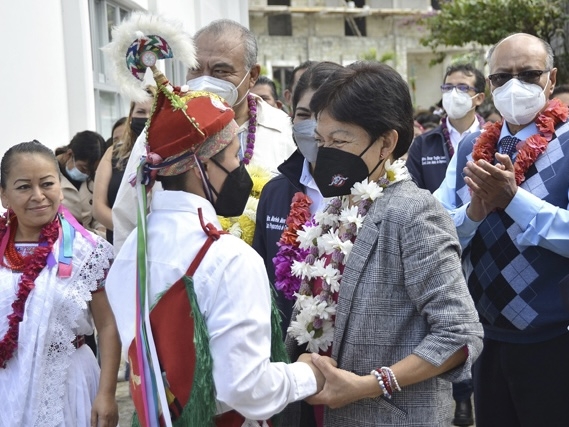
(137, 125)
(234, 193)
(337, 171)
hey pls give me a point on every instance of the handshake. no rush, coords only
(337, 387)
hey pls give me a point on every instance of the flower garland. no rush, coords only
(289, 250)
(32, 267)
(528, 150)
(251, 129)
(324, 245)
(243, 226)
(446, 133)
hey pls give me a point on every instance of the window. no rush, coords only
(355, 26)
(279, 25)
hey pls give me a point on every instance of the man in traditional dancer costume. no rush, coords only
(203, 332)
(225, 64)
(508, 191)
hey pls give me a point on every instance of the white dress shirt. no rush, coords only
(455, 136)
(232, 290)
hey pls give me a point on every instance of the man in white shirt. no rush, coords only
(219, 327)
(430, 153)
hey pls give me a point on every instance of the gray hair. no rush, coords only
(222, 27)
(546, 46)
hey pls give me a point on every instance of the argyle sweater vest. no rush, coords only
(516, 288)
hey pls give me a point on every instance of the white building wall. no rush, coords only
(46, 66)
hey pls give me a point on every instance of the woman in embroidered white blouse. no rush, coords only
(52, 274)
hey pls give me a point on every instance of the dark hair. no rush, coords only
(223, 27)
(427, 117)
(312, 79)
(32, 147)
(178, 182)
(118, 123)
(370, 95)
(560, 89)
(303, 66)
(469, 70)
(264, 80)
(87, 146)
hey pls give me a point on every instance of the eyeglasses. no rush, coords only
(529, 76)
(447, 87)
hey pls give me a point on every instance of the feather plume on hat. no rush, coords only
(138, 42)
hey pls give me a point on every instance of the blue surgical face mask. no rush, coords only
(75, 174)
(303, 134)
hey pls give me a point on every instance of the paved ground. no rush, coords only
(125, 404)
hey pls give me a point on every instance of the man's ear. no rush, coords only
(553, 80)
(254, 75)
(479, 99)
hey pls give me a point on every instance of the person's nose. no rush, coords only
(37, 193)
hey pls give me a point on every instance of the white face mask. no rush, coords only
(519, 102)
(223, 88)
(457, 103)
(303, 134)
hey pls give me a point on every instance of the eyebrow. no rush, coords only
(333, 133)
(307, 110)
(223, 65)
(29, 180)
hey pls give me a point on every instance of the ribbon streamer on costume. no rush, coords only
(138, 42)
(156, 403)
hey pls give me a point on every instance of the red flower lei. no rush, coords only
(34, 264)
(298, 216)
(528, 150)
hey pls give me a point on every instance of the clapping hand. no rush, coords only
(492, 186)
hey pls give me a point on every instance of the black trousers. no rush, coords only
(521, 385)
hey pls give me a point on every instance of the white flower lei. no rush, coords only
(329, 239)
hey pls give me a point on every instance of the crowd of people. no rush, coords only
(405, 266)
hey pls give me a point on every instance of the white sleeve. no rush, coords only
(236, 302)
(126, 204)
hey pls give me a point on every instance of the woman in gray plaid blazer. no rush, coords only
(403, 302)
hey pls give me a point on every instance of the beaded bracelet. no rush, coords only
(381, 383)
(391, 376)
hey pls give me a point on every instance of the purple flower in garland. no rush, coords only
(284, 279)
(251, 129)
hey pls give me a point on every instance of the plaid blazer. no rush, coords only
(403, 292)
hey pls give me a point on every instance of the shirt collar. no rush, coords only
(523, 134)
(263, 115)
(182, 201)
(456, 136)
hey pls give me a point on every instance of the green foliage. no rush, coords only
(487, 21)
(371, 55)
